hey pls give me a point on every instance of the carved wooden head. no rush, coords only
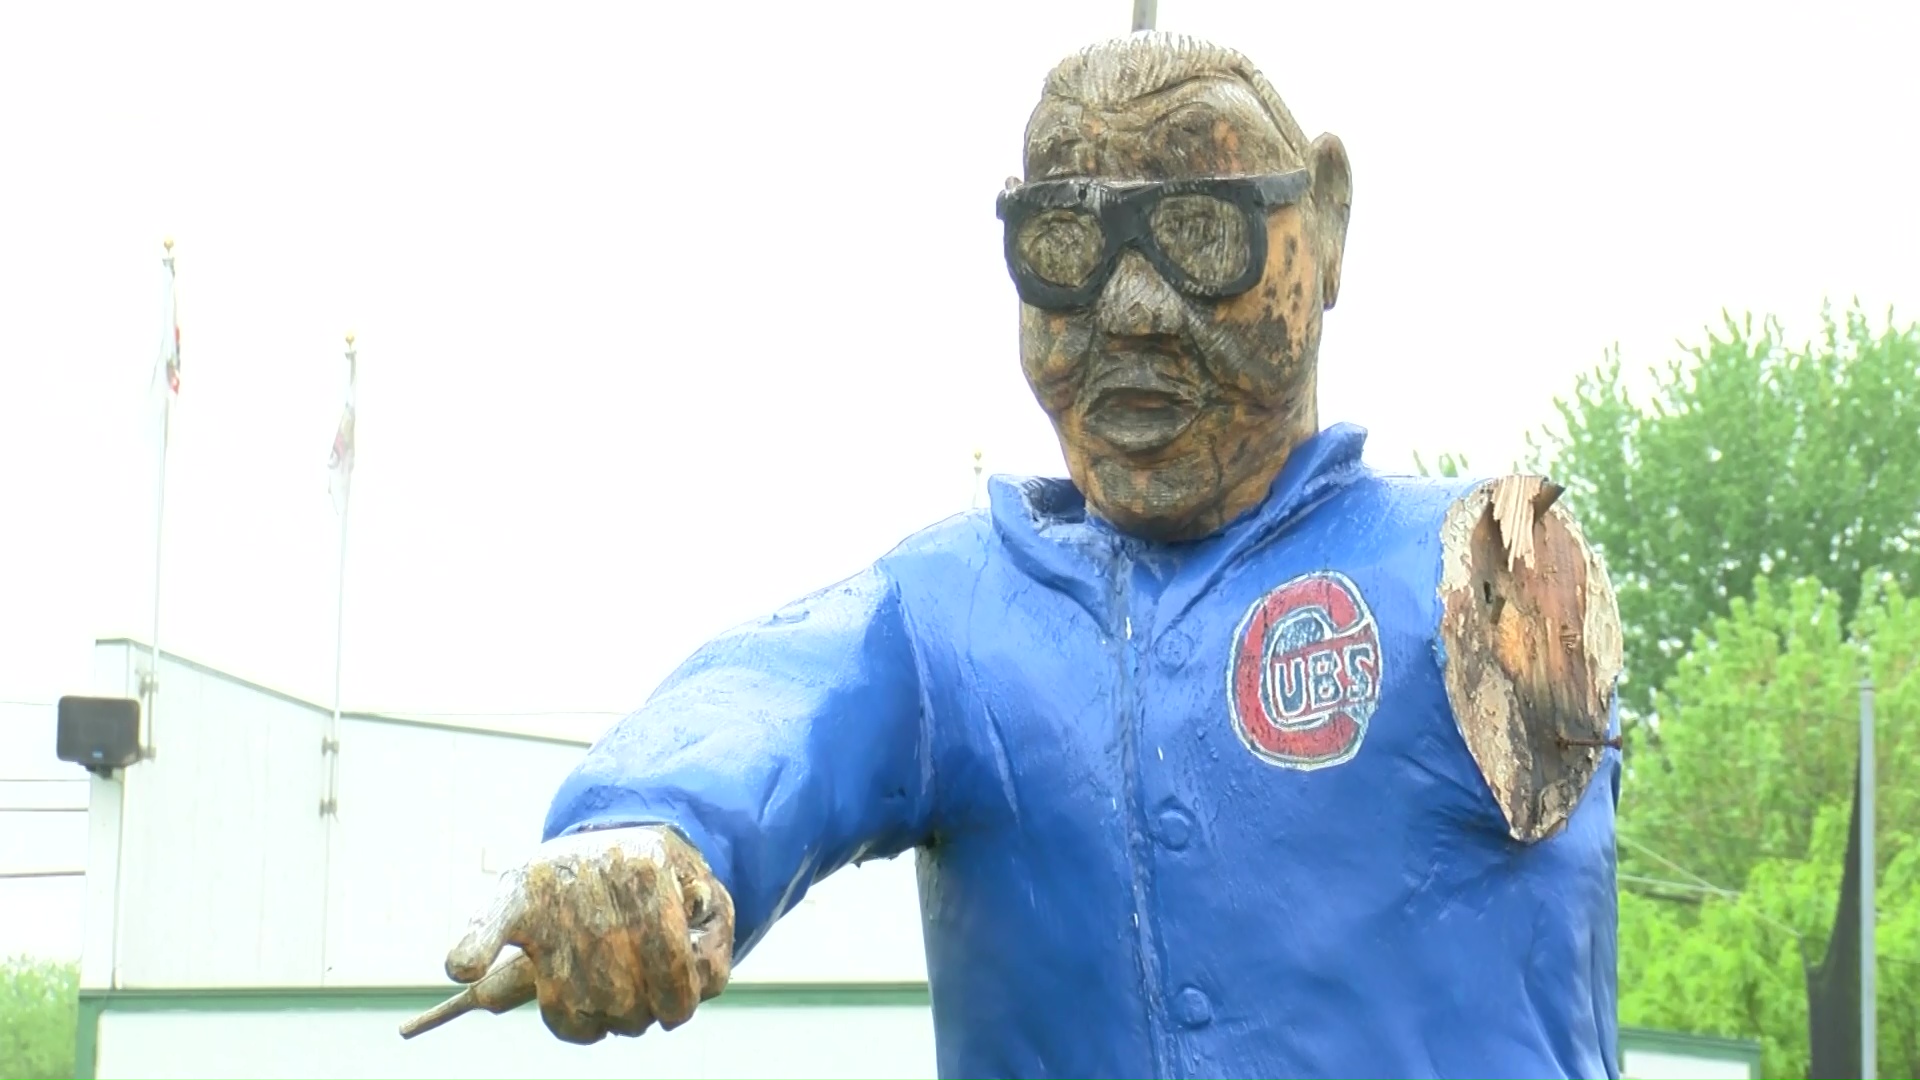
(1174, 244)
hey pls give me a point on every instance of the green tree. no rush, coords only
(1733, 836)
(1445, 464)
(39, 1016)
(1750, 457)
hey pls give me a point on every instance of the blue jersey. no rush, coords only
(1193, 810)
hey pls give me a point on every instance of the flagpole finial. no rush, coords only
(349, 339)
(167, 242)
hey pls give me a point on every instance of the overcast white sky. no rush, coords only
(671, 312)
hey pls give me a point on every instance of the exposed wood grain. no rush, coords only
(1530, 636)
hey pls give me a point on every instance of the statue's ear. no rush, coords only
(1332, 202)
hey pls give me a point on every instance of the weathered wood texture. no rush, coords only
(1530, 634)
(618, 930)
(1174, 414)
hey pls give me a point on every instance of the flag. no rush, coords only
(166, 372)
(340, 461)
(1833, 988)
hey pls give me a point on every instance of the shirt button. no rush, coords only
(1174, 827)
(1173, 648)
(1192, 1008)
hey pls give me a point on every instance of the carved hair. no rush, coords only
(1113, 73)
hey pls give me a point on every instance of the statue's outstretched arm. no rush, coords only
(776, 754)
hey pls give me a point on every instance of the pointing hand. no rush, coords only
(617, 929)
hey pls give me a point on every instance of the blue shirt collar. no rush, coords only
(1050, 532)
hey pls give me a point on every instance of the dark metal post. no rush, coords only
(1869, 1037)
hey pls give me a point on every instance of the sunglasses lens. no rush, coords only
(1204, 236)
(1060, 247)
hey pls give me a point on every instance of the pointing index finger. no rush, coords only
(490, 931)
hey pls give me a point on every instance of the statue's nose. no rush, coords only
(1138, 301)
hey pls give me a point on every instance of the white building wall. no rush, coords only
(1641, 1064)
(221, 845)
(43, 829)
(429, 818)
(228, 876)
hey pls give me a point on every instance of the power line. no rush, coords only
(1681, 886)
(1674, 866)
(1709, 888)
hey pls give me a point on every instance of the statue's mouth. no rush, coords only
(1134, 405)
(1139, 421)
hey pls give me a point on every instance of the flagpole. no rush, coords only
(331, 805)
(150, 686)
(1869, 1012)
(342, 465)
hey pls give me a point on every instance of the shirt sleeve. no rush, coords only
(783, 750)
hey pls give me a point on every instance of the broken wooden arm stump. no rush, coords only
(1530, 646)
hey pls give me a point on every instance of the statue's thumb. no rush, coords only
(470, 959)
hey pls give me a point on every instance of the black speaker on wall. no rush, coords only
(101, 734)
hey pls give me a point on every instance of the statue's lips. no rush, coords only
(1137, 419)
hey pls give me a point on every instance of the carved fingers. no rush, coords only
(621, 929)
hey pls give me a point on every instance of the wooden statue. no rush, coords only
(1230, 756)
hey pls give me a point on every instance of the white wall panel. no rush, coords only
(37, 832)
(836, 1042)
(43, 828)
(43, 918)
(27, 742)
(221, 868)
(390, 874)
(429, 817)
(1636, 1064)
(860, 925)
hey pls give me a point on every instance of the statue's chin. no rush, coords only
(1157, 529)
(1162, 523)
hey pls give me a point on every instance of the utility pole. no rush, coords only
(1142, 15)
(1869, 1012)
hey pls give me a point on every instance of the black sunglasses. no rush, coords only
(1207, 237)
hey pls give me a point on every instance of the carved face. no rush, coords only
(1176, 408)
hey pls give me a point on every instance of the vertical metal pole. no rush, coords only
(339, 639)
(1143, 15)
(150, 686)
(1869, 1012)
(331, 805)
(330, 743)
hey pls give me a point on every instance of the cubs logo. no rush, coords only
(1305, 674)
